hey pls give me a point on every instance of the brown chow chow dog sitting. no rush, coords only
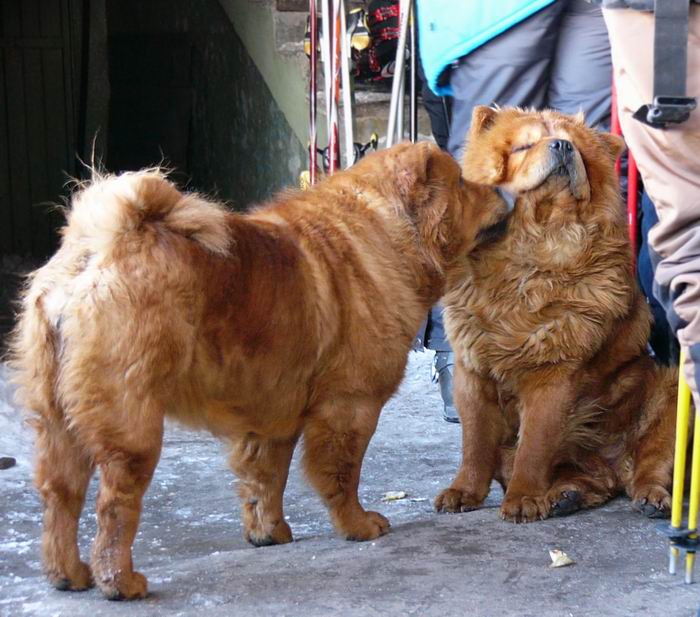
(293, 320)
(558, 397)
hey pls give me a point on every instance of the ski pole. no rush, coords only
(694, 499)
(400, 107)
(413, 126)
(312, 92)
(334, 57)
(346, 88)
(682, 418)
(632, 203)
(326, 58)
(397, 84)
(615, 127)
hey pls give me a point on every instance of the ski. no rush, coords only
(335, 36)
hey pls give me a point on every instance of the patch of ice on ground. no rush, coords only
(19, 547)
(206, 601)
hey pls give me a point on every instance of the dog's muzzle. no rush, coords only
(562, 153)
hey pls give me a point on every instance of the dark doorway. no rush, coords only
(38, 92)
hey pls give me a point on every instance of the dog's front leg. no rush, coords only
(336, 435)
(545, 402)
(483, 429)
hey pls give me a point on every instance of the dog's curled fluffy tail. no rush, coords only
(108, 214)
(109, 208)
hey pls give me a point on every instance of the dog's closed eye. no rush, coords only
(521, 148)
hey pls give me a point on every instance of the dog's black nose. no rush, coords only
(561, 145)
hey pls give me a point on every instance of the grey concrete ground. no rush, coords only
(474, 564)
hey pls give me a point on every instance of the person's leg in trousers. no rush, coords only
(661, 339)
(443, 362)
(669, 161)
(438, 108)
(581, 72)
(512, 69)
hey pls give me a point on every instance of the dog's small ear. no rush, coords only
(614, 144)
(482, 118)
(486, 166)
(580, 117)
(419, 181)
(414, 163)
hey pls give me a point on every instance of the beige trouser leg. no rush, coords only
(669, 161)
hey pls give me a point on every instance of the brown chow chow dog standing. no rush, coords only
(294, 320)
(558, 397)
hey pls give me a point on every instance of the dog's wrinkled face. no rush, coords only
(547, 154)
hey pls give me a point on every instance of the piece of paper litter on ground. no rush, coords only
(394, 495)
(560, 559)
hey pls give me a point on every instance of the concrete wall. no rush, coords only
(184, 89)
(263, 31)
(236, 113)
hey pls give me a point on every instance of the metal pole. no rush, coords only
(326, 58)
(399, 66)
(694, 498)
(335, 41)
(413, 126)
(682, 419)
(632, 203)
(400, 116)
(347, 88)
(312, 92)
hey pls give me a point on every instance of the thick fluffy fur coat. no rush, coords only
(558, 396)
(293, 320)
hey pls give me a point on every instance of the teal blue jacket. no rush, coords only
(450, 29)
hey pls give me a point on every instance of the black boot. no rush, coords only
(443, 369)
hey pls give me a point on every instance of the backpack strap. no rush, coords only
(671, 105)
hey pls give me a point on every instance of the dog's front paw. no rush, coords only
(652, 501)
(456, 500)
(565, 502)
(367, 526)
(524, 508)
(124, 586)
(78, 580)
(279, 533)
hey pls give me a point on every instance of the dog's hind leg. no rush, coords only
(127, 448)
(652, 452)
(336, 435)
(262, 466)
(63, 471)
(587, 484)
(652, 477)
